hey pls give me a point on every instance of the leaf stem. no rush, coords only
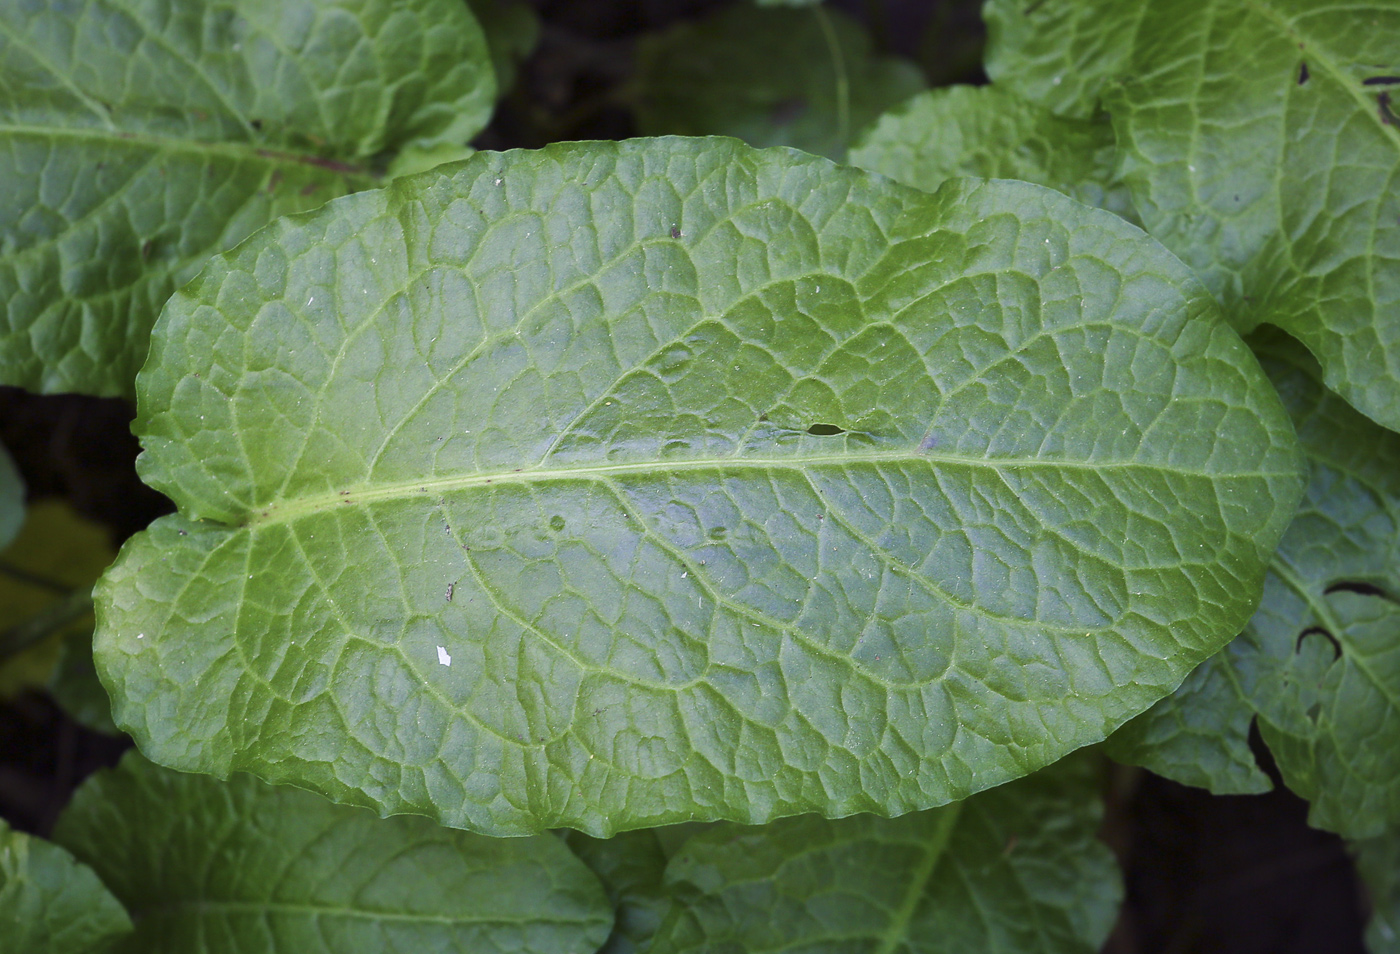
(843, 81)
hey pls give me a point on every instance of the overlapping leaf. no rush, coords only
(631, 866)
(619, 484)
(138, 137)
(1064, 54)
(775, 77)
(1319, 663)
(240, 866)
(50, 903)
(1378, 863)
(1261, 146)
(992, 132)
(1013, 869)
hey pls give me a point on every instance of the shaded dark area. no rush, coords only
(1204, 874)
(1242, 874)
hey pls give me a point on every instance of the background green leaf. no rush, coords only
(618, 484)
(631, 866)
(992, 132)
(239, 866)
(1319, 664)
(11, 499)
(771, 77)
(1064, 54)
(1256, 150)
(46, 576)
(50, 903)
(512, 30)
(138, 138)
(1378, 863)
(1013, 869)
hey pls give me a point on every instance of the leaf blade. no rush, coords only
(631, 570)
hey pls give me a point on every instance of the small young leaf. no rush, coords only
(772, 77)
(991, 132)
(1014, 869)
(238, 865)
(1063, 54)
(138, 138)
(51, 903)
(1279, 193)
(1319, 664)
(504, 497)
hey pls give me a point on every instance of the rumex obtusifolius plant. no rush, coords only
(779, 531)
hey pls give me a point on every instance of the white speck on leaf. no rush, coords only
(140, 635)
(443, 658)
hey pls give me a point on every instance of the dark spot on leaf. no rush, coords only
(929, 442)
(1303, 74)
(309, 188)
(256, 124)
(556, 523)
(1381, 81)
(718, 533)
(762, 418)
(146, 247)
(825, 430)
(675, 232)
(1319, 631)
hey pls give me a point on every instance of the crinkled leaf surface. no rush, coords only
(1016, 869)
(776, 77)
(50, 903)
(1260, 145)
(631, 866)
(238, 865)
(1063, 54)
(1378, 863)
(992, 132)
(138, 137)
(618, 484)
(1199, 735)
(1319, 664)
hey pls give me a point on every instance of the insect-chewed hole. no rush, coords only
(1325, 634)
(825, 430)
(1355, 586)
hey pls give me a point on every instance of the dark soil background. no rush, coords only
(1242, 874)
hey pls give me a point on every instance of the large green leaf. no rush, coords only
(992, 132)
(240, 866)
(1064, 54)
(1260, 145)
(618, 484)
(1016, 869)
(1319, 664)
(50, 903)
(803, 78)
(138, 137)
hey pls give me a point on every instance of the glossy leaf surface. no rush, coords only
(240, 866)
(50, 903)
(801, 78)
(613, 485)
(1319, 664)
(1260, 145)
(991, 132)
(138, 137)
(1016, 869)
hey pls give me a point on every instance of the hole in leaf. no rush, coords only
(1381, 81)
(825, 430)
(1319, 631)
(1303, 74)
(1356, 586)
